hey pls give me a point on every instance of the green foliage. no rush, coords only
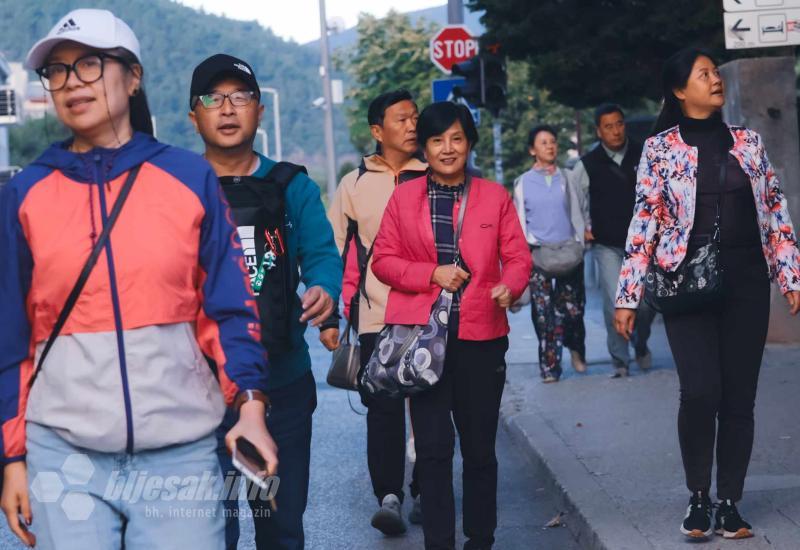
(587, 53)
(391, 53)
(174, 39)
(27, 141)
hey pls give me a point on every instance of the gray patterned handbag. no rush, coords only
(409, 359)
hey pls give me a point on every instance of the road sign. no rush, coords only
(443, 91)
(762, 29)
(759, 5)
(450, 45)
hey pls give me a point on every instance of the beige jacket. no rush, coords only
(361, 198)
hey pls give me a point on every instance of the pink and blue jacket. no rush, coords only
(128, 371)
(665, 206)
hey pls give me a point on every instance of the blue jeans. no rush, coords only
(289, 423)
(162, 498)
(609, 263)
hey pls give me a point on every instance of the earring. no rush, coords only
(135, 92)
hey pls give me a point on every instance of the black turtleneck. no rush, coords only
(739, 227)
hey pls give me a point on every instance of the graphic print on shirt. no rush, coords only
(247, 234)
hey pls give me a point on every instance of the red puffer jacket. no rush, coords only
(492, 246)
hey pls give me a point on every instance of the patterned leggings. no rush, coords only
(557, 307)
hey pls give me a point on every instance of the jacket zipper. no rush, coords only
(100, 180)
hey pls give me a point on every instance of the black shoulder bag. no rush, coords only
(697, 282)
(75, 293)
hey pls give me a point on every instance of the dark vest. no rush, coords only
(612, 193)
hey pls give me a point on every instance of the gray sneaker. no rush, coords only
(389, 519)
(645, 361)
(620, 370)
(415, 516)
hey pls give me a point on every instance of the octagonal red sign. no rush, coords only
(452, 44)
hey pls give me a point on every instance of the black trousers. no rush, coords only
(718, 354)
(386, 438)
(468, 393)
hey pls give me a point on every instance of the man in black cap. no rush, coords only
(284, 233)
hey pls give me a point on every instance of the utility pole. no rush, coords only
(455, 12)
(497, 134)
(276, 121)
(325, 72)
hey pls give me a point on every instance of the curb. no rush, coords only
(592, 516)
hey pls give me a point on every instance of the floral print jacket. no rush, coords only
(664, 211)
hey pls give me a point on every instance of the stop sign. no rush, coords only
(452, 44)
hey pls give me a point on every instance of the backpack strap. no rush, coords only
(283, 173)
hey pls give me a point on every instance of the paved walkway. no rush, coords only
(611, 446)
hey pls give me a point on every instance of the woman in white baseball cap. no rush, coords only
(121, 269)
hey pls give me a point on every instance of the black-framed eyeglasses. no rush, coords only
(88, 69)
(214, 100)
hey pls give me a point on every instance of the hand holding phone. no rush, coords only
(252, 465)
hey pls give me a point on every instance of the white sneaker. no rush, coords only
(578, 362)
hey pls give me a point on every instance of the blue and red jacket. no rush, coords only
(128, 371)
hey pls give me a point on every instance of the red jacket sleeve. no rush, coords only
(389, 264)
(351, 276)
(515, 256)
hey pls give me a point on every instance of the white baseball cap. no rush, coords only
(94, 28)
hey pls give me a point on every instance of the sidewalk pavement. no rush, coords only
(610, 446)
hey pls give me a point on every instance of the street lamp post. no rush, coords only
(325, 72)
(276, 121)
(455, 12)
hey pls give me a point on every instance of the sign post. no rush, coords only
(450, 45)
(761, 23)
(443, 91)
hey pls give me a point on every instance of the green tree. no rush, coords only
(391, 53)
(587, 53)
(28, 140)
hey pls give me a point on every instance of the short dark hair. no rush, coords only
(378, 106)
(436, 118)
(607, 109)
(538, 130)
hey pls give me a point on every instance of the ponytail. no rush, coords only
(675, 75)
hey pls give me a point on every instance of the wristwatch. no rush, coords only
(251, 395)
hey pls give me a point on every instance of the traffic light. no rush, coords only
(485, 81)
(494, 82)
(472, 90)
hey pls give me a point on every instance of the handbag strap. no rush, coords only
(75, 293)
(462, 210)
(723, 176)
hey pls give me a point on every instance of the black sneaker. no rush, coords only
(729, 523)
(389, 519)
(697, 523)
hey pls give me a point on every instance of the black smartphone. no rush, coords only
(249, 461)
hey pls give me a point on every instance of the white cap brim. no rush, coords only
(38, 54)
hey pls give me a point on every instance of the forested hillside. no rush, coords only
(174, 39)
